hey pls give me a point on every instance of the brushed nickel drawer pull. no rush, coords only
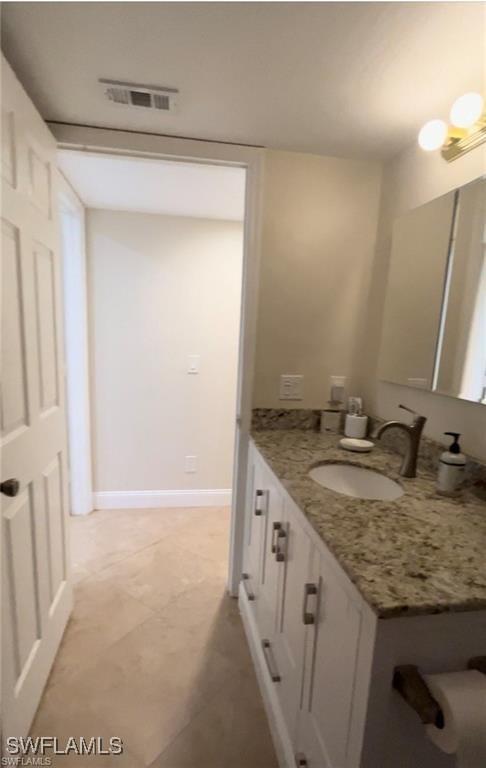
(301, 760)
(281, 543)
(245, 577)
(258, 503)
(307, 616)
(275, 528)
(275, 677)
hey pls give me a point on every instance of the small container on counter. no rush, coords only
(452, 465)
(331, 421)
(355, 426)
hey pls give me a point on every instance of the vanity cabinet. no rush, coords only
(304, 624)
(324, 660)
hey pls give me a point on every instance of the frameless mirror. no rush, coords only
(460, 366)
(434, 328)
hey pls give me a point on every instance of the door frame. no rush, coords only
(76, 350)
(86, 138)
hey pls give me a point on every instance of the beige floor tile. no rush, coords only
(102, 615)
(155, 652)
(64, 718)
(229, 732)
(150, 683)
(158, 573)
(206, 612)
(107, 536)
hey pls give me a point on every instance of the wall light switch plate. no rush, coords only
(291, 387)
(190, 464)
(193, 363)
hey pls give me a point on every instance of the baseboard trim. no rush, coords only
(152, 499)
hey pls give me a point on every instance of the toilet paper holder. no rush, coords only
(410, 684)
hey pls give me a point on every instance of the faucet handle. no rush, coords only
(418, 417)
(406, 408)
(410, 410)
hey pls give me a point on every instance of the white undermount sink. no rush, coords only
(356, 481)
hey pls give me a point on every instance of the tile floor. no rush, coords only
(155, 651)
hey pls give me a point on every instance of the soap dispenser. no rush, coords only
(452, 464)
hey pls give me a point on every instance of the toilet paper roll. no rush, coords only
(462, 697)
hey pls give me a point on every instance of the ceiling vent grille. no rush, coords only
(140, 96)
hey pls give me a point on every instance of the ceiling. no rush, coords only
(339, 78)
(155, 186)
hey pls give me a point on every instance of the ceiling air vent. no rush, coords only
(140, 96)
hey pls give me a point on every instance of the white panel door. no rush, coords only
(274, 553)
(37, 595)
(255, 527)
(292, 621)
(330, 670)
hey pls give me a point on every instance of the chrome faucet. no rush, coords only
(414, 433)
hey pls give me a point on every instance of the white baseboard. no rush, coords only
(218, 497)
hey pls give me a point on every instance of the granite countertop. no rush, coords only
(420, 554)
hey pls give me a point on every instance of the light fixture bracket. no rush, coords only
(460, 141)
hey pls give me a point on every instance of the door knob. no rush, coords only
(10, 487)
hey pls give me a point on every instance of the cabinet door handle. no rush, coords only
(280, 546)
(307, 616)
(275, 528)
(245, 577)
(301, 760)
(258, 503)
(272, 671)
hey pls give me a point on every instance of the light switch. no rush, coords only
(193, 363)
(190, 464)
(291, 387)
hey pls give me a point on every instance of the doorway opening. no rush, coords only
(153, 274)
(153, 270)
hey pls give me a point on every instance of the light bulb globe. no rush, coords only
(466, 110)
(432, 135)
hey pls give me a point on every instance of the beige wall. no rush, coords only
(414, 178)
(161, 289)
(325, 255)
(319, 229)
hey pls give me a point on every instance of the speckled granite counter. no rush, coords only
(422, 553)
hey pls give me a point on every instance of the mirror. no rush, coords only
(434, 326)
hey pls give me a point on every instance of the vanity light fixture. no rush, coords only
(466, 131)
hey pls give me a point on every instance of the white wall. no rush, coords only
(162, 288)
(320, 217)
(411, 179)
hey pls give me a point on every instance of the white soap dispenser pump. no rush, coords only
(452, 464)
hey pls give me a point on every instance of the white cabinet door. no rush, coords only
(292, 628)
(325, 718)
(36, 590)
(255, 527)
(274, 553)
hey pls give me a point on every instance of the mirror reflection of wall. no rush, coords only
(414, 294)
(461, 359)
(434, 325)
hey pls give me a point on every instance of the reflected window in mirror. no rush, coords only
(460, 366)
(434, 324)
